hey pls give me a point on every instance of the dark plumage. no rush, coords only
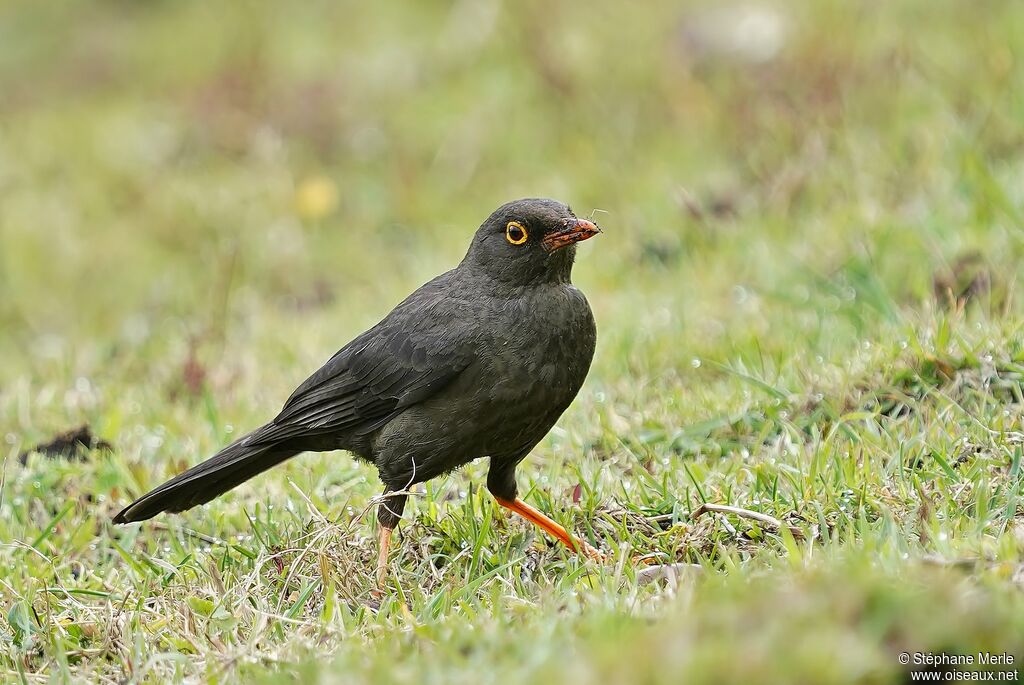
(479, 362)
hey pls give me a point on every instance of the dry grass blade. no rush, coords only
(670, 572)
(761, 517)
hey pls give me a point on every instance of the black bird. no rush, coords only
(479, 362)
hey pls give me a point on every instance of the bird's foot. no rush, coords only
(551, 527)
(591, 552)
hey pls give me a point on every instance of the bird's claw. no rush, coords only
(592, 553)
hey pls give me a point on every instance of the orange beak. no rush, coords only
(572, 231)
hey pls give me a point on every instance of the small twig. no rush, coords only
(729, 528)
(670, 572)
(317, 514)
(766, 519)
(210, 540)
(374, 501)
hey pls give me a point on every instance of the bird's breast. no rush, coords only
(539, 351)
(530, 357)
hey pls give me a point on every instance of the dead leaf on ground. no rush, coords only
(72, 444)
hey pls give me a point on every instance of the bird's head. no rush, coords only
(528, 241)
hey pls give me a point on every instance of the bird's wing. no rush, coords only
(418, 349)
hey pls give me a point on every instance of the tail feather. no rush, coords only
(232, 466)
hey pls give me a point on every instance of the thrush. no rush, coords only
(479, 362)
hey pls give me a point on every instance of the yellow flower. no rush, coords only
(315, 198)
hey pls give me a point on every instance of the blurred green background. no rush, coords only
(262, 169)
(812, 214)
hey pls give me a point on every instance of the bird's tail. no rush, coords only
(233, 465)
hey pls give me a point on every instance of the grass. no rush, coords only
(806, 293)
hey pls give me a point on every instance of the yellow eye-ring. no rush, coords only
(515, 233)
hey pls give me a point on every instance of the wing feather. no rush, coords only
(408, 357)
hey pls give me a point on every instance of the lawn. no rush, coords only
(808, 303)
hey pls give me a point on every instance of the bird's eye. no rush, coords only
(515, 233)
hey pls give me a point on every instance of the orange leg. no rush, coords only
(546, 524)
(383, 545)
